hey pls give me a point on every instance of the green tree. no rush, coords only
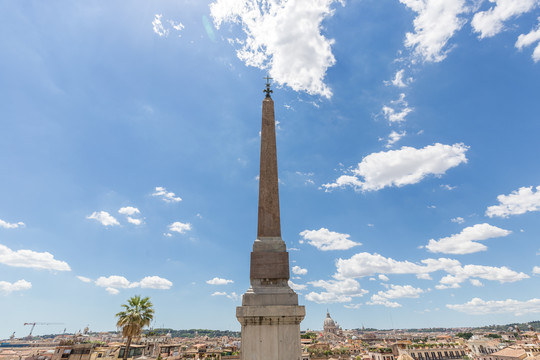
(137, 313)
(465, 335)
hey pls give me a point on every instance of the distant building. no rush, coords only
(329, 326)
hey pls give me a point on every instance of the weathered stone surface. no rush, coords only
(269, 265)
(268, 219)
(270, 332)
(275, 244)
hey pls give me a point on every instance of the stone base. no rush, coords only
(271, 332)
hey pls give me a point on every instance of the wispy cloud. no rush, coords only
(233, 296)
(397, 110)
(167, 196)
(491, 22)
(7, 225)
(435, 24)
(104, 218)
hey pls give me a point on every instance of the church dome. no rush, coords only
(329, 322)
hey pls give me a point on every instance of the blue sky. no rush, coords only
(407, 149)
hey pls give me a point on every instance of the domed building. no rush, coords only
(329, 326)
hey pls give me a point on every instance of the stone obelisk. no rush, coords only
(270, 315)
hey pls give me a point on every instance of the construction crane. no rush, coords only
(38, 323)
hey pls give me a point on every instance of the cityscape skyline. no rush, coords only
(407, 138)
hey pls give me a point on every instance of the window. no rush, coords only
(413, 355)
(433, 355)
(420, 357)
(446, 354)
(427, 356)
(451, 354)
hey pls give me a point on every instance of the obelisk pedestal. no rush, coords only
(270, 315)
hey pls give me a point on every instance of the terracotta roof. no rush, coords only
(511, 351)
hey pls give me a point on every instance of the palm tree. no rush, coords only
(137, 314)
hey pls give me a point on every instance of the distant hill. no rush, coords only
(191, 333)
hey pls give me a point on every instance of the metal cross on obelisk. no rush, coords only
(270, 315)
(267, 90)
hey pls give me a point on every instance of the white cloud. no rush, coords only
(536, 270)
(6, 225)
(490, 22)
(327, 298)
(84, 279)
(20, 285)
(219, 281)
(349, 287)
(232, 296)
(104, 218)
(383, 277)
(476, 282)
(112, 291)
(394, 137)
(398, 79)
(353, 306)
(448, 187)
(283, 37)
(394, 292)
(134, 221)
(325, 240)
(460, 274)
(423, 276)
(402, 167)
(478, 306)
(518, 202)
(377, 300)
(114, 281)
(299, 271)
(435, 24)
(366, 264)
(180, 227)
(466, 241)
(177, 26)
(165, 195)
(129, 210)
(158, 27)
(155, 282)
(31, 259)
(401, 291)
(297, 287)
(397, 111)
(458, 220)
(530, 38)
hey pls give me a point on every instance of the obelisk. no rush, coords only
(270, 314)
